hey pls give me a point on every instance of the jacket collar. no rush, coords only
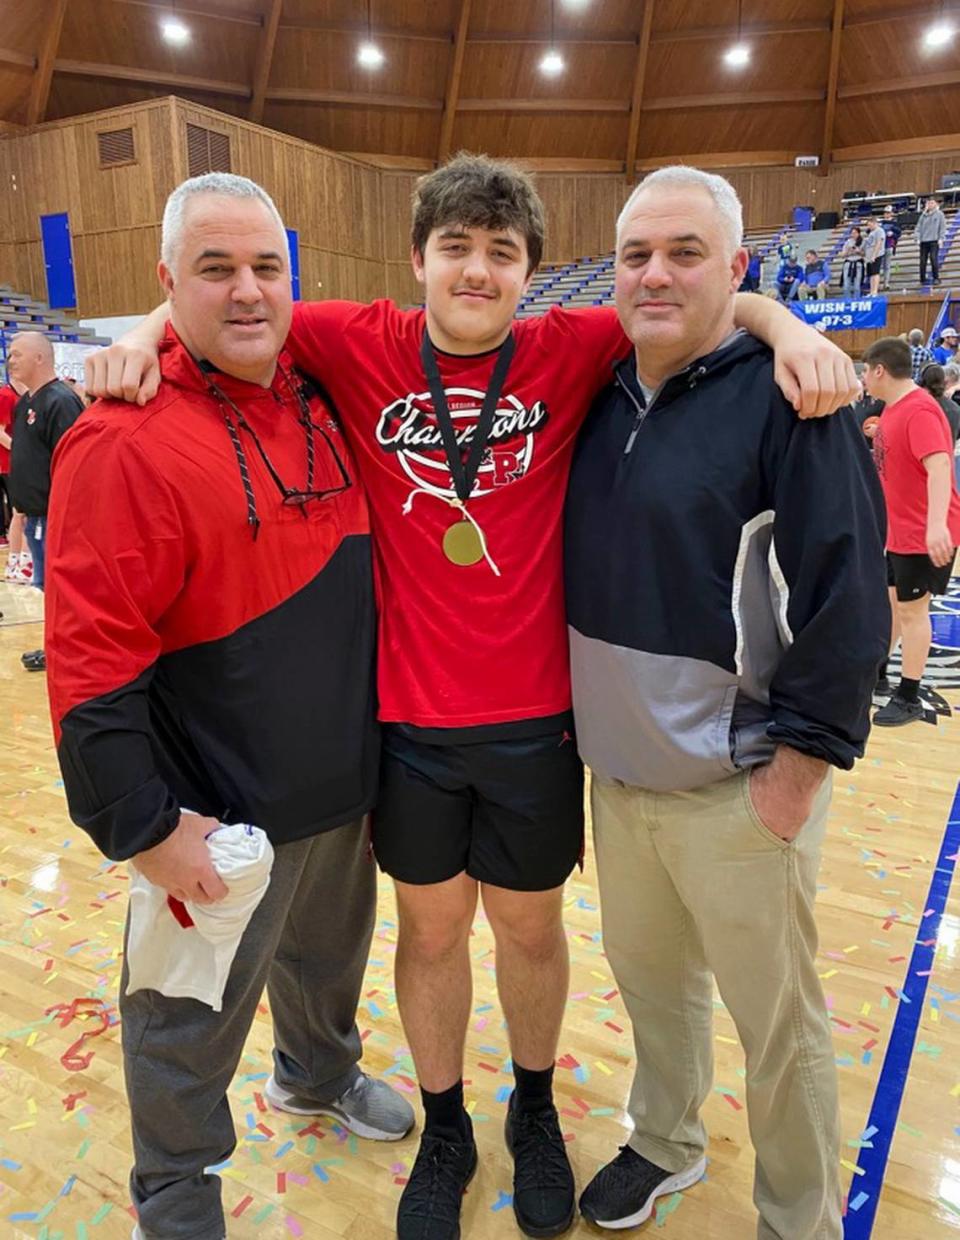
(182, 370)
(736, 348)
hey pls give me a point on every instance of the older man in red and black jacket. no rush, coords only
(210, 636)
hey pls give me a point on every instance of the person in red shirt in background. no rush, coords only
(8, 398)
(19, 569)
(462, 422)
(913, 449)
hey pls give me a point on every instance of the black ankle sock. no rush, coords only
(534, 1088)
(444, 1114)
(907, 689)
(882, 670)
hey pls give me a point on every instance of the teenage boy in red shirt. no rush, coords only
(462, 422)
(913, 449)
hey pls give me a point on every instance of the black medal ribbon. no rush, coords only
(464, 473)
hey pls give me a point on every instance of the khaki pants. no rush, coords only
(693, 884)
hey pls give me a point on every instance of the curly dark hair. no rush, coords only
(476, 191)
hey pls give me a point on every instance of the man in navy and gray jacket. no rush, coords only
(727, 604)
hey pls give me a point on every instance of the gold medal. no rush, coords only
(462, 545)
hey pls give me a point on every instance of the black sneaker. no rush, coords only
(544, 1194)
(429, 1206)
(36, 664)
(30, 656)
(883, 688)
(897, 712)
(625, 1191)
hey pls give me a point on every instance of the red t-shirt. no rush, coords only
(910, 429)
(461, 647)
(8, 398)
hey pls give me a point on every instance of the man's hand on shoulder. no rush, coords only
(814, 375)
(128, 372)
(181, 863)
(129, 369)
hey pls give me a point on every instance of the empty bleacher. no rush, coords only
(587, 282)
(20, 312)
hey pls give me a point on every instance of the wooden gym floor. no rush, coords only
(890, 936)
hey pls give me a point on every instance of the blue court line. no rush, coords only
(858, 1224)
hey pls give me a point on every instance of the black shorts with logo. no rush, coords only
(913, 576)
(874, 266)
(507, 811)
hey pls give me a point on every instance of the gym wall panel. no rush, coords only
(129, 195)
(396, 193)
(613, 17)
(116, 271)
(56, 167)
(307, 14)
(725, 127)
(603, 71)
(401, 131)
(677, 14)
(21, 266)
(111, 32)
(604, 134)
(332, 201)
(303, 58)
(74, 96)
(906, 115)
(401, 285)
(697, 67)
(560, 195)
(23, 27)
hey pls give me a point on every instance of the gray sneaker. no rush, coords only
(368, 1108)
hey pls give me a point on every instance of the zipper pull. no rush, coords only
(637, 423)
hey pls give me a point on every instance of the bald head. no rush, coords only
(30, 359)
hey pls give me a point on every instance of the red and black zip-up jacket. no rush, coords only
(189, 663)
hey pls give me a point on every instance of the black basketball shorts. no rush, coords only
(913, 576)
(505, 812)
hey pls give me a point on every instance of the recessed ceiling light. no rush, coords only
(938, 35)
(552, 63)
(370, 56)
(174, 31)
(737, 56)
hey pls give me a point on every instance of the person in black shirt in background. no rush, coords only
(893, 231)
(933, 380)
(41, 417)
(866, 409)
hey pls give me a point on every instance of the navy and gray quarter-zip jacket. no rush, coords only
(725, 578)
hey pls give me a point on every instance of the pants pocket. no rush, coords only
(756, 821)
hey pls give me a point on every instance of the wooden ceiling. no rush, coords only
(644, 79)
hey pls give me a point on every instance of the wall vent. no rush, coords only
(115, 146)
(207, 151)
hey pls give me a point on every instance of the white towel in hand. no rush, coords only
(194, 962)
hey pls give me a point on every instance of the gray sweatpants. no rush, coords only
(308, 942)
